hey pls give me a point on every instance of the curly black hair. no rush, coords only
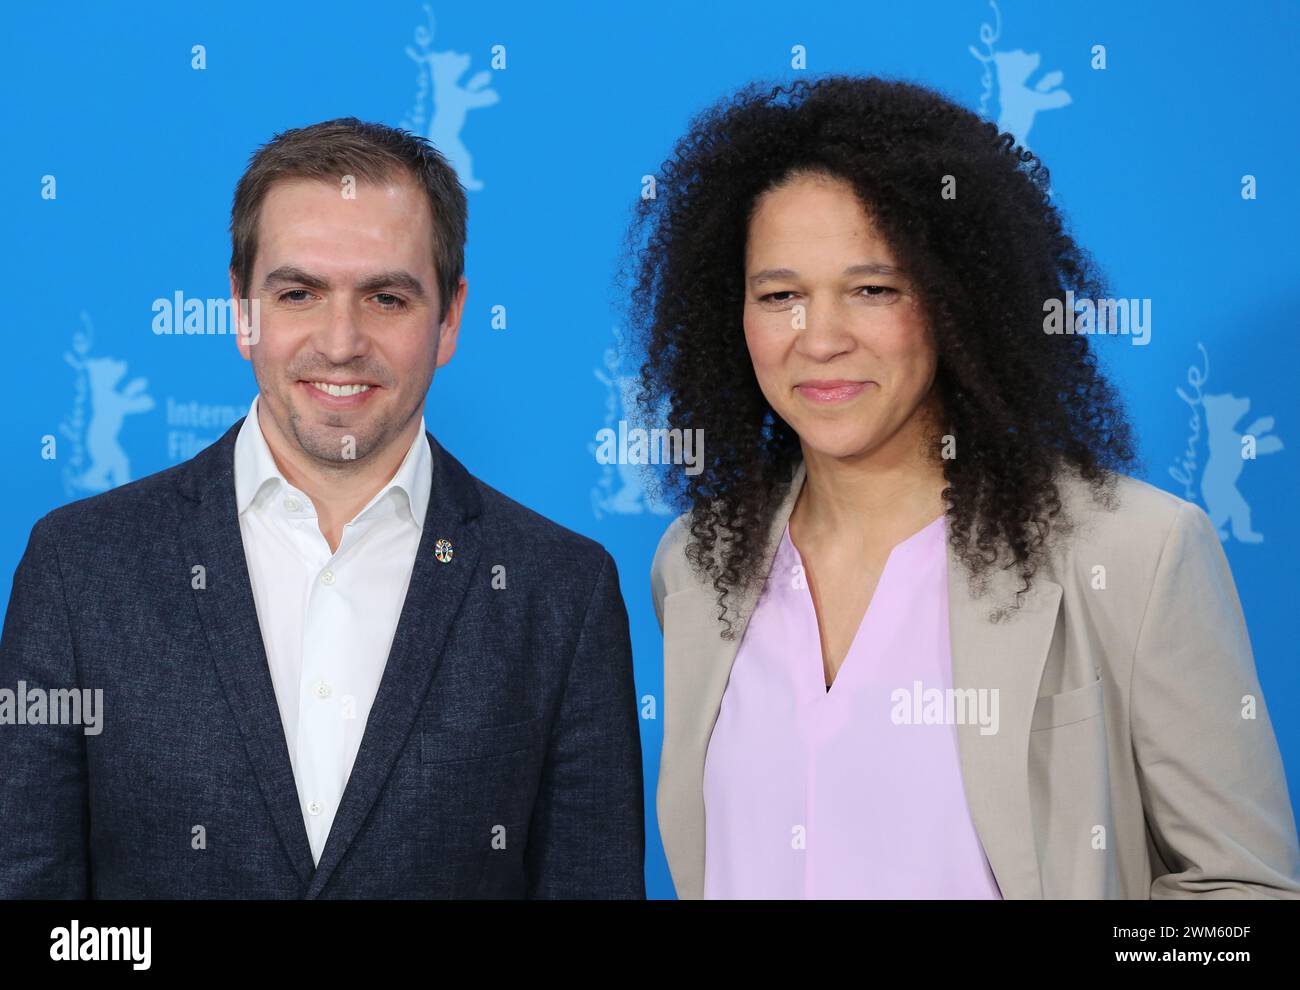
(1021, 402)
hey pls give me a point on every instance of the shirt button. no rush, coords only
(292, 504)
(314, 808)
(323, 690)
(327, 577)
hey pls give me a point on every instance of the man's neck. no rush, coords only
(337, 491)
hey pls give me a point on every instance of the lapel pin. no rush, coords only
(442, 550)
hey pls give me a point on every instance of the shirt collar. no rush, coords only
(255, 469)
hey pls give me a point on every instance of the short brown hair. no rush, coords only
(371, 153)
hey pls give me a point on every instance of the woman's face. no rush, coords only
(840, 345)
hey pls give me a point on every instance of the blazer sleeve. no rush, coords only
(43, 775)
(1209, 771)
(587, 837)
(657, 591)
(658, 573)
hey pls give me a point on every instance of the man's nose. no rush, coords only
(340, 337)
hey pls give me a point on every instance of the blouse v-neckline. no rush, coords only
(901, 550)
(810, 793)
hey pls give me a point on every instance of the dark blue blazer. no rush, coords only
(503, 712)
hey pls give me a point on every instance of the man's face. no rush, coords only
(348, 298)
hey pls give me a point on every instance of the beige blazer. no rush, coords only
(1134, 756)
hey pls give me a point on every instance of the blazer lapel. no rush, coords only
(432, 601)
(1007, 655)
(229, 618)
(696, 668)
(228, 615)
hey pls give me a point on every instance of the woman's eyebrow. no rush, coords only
(772, 275)
(873, 268)
(869, 268)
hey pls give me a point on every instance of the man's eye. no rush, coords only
(299, 295)
(389, 301)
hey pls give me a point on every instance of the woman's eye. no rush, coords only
(868, 291)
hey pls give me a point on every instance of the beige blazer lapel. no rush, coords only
(1005, 657)
(697, 663)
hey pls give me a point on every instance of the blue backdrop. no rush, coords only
(1169, 129)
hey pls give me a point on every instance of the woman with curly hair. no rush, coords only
(923, 637)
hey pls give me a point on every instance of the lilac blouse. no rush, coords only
(811, 793)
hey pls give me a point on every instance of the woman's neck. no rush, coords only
(884, 495)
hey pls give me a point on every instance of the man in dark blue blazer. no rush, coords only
(494, 748)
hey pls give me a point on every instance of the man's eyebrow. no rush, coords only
(291, 274)
(392, 280)
(778, 274)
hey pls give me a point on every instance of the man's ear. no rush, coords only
(242, 339)
(449, 331)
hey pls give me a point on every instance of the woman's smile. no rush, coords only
(829, 391)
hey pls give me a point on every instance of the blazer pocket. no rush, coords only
(446, 744)
(1053, 710)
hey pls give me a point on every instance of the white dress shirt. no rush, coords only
(327, 619)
